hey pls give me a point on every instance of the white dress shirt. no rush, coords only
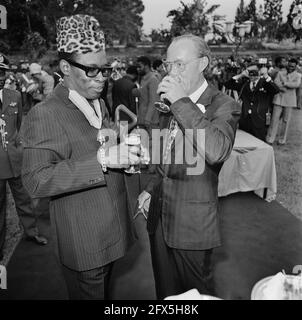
(197, 94)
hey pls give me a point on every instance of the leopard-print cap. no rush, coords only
(79, 34)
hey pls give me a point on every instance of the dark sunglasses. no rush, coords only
(92, 72)
(254, 73)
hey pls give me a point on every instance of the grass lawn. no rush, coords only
(289, 167)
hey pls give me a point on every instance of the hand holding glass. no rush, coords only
(164, 105)
(133, 139)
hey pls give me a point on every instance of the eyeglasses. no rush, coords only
(179, 65)
(92, 72)
(253, 73)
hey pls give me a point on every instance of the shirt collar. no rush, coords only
(198, 93)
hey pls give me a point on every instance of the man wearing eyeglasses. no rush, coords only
(64, 160)
(183, 222)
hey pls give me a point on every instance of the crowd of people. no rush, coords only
(266, 105)
(65, 158)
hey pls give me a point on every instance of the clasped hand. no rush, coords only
(121, 156)
(171, 89)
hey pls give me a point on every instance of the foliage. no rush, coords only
(120, 19)
(285, 31)
(160, 35)
(4, 47)
(241, 13)
(253, 44)
(290, 18)
(35, 45)
(273, 17)
(191, 18)
(252, 16)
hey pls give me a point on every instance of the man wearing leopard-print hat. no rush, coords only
(63, 160)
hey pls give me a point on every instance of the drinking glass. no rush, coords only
(164, 104)
(133, 139)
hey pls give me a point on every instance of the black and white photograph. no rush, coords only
(151, 150)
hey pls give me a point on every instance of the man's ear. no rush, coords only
(204, 62)
(65, 67)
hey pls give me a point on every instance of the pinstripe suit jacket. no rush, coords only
(188, 204)
(88, 208)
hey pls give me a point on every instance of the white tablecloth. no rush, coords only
(254, 170)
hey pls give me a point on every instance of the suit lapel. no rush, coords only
(6, 96)
(207, 97)
(259, 84)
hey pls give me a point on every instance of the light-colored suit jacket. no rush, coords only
(287, 83)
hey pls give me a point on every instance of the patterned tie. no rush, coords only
(173, 129)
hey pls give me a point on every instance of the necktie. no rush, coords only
(253, 86)
(173, 129)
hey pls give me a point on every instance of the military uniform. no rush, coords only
(11, 151)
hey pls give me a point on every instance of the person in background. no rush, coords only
(256, 90)
(45, 82)
(122, 92)
(299, 90)
(280, 65)
(11, 155)
(148, 116)
(218, 75)
(159, 69)
(288, 80)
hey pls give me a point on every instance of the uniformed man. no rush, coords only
(256, 90)
(11, 161)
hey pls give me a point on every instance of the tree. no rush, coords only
(284, 31)
(191, 18)
(295, 12)
(241, 13)
(252, 16)
(120, 19)
(160, 35)
(272, 16)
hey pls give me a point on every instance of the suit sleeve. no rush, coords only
(47, 169)
(153, 97)
(234, 84)
(295, 83)
(271, 87)
(219, 131)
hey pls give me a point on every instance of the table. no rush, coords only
(251, 167)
